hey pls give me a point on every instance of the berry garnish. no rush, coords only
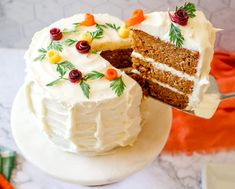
(180, 17)
(75, 76)
(111, 74)
(55, 34)
(89, 20)
(83, 47)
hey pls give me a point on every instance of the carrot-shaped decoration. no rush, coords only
(137, 17)
(4, 184)
(89, 20)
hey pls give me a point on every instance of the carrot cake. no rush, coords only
(172, 52)
(83, 103)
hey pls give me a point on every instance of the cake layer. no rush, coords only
(148, 71)
(167, 95)
(181, 59)
(119, 58)
(162, 92)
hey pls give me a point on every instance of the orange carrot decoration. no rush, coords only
(111, 74)
(89, 20)
(137, 17)
(4, 184)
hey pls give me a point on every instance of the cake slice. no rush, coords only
(172, 52)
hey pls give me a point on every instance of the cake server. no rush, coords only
(210, 101)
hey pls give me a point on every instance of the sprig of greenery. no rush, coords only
(85, 88)
(98, 33)
(72, 30)
(101, 26)
(69, 42)
(190, 8)
(55, 82)
(113, 26)
(42, 54)
(176, 36)
(62, 69)
(94, 51)
(56, 45)
(68, 31)
(93, 75)
(118, 86)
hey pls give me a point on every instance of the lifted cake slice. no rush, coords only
(172, 51)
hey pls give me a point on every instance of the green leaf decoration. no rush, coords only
(69, 42)
(85, 88)
(98, 33)
(101, 26)
(63, 67)
(76, 25)
(118, 86)
(42, 55)
(55, 45)
(176, 36)
(113, 26)
(93, 75)
(53, 82)
(94, 51)
(190, 8)
(68, 31)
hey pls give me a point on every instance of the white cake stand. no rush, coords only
(97, 170)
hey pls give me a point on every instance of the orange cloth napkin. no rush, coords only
(191, 134)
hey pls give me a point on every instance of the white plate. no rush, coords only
(97, 170)
(218, 176)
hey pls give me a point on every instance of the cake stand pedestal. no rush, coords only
(91, 170)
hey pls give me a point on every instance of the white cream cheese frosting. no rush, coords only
(199, 35)
(72, 121)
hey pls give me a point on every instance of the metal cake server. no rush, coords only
(210, 101)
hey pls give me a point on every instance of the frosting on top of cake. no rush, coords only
(69, 119)
(42, 72)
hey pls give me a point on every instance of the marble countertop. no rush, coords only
(166, 172)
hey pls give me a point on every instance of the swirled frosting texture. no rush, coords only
(69, 119)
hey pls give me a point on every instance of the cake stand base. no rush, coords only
(85, 170)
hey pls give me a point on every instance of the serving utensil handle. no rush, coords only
(227, 95)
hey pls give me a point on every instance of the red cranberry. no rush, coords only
(180, 17)
(75, 76)
(56, 34)
(83, 47)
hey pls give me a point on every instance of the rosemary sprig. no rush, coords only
(85, 88)
(42, 54)
(69, 42)
(176, 36)
(55, 45)
(190, 8)
(93, 75)
(113, 26)
(62, 69)
(118, 86)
